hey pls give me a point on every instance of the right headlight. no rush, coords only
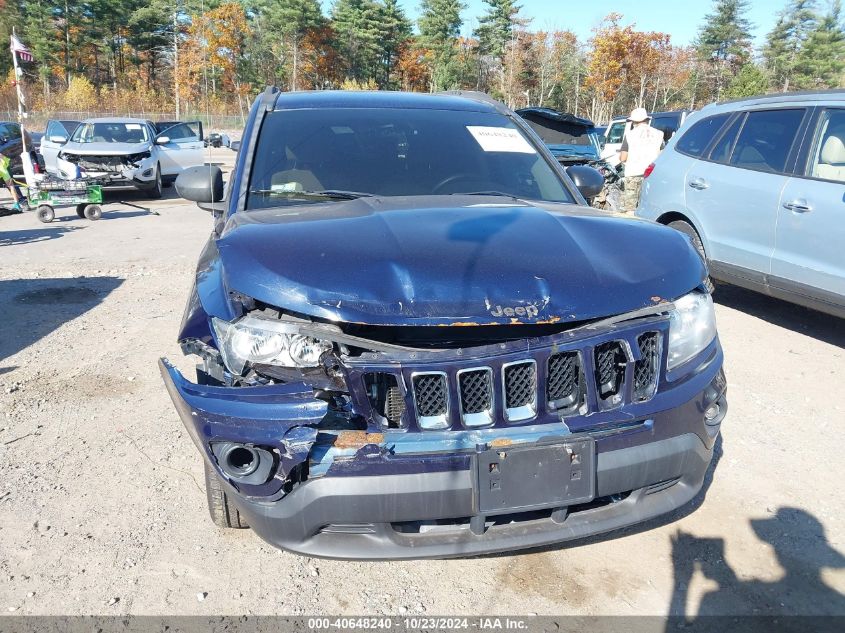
(692, 327)
(254, 340)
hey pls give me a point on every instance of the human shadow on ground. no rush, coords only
(800, 545)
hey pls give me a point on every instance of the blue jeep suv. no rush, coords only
(416, 340)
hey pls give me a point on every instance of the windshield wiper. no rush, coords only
(500, 194)
(326, 194)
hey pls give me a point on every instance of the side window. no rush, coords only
(766, 138)
(182, 132)
(722, 149)
(616, 132)
(696, 139)
(4, 131)
(828, 155)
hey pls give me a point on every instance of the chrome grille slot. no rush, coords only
(431, 398)
(563, 383)
(519, 386)
(610, 362)
(646, 369)
(475, 387)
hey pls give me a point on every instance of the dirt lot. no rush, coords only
(102, 509)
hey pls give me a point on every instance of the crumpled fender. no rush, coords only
(281, 416)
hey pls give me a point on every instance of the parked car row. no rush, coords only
(759, 186)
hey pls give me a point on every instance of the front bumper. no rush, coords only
(385, 517)
(411, 495)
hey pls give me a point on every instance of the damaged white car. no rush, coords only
(130, 152)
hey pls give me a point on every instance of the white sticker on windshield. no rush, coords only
(133, 126)
(500, 139)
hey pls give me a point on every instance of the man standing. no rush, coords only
(640, 148)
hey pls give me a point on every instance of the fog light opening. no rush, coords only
(712, 412)
(241, 461)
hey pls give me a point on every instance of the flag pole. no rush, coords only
(18, 90)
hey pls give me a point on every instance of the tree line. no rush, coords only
(215, 55)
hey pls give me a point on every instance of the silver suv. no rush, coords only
(759, 187)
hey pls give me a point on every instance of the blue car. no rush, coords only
(414, 339)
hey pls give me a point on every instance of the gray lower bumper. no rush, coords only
(357, 517)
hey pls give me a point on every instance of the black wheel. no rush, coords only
(156, 191)
(688, 229)
(80, 210)
(223, 512)
(45, 213)
(93, 212)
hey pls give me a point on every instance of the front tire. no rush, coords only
(689, 230)
(156, 190)
(223, 512)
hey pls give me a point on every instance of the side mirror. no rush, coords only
(202, 184)
(162, 140)
(235, 146)
(588, 180)
(57, 138)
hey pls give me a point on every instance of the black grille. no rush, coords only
(430, 395)
(520, 385)
(476, 390)
(563, 386)
(645, 369)
(610, 368)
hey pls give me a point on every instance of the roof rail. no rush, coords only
(475, 95)
(781, 96)
(268, 97)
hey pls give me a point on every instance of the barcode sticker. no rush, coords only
(500, 139)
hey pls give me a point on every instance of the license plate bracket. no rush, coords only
(535, 477)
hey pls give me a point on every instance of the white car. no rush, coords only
(127, 152)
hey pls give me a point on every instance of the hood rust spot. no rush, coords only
(500, 442)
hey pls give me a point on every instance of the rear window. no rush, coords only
(668, 124)
(766, 138)
(696, 139)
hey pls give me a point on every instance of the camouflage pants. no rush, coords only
(631, 194)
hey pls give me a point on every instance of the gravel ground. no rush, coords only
(102, 508)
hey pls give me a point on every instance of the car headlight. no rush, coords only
(692, 326)
(254, 340)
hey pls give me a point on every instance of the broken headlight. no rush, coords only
(137, 158)
(254, 340)
(692, 326)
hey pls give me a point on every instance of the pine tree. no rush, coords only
(440, 24)
(292, 19)
(785, 40)
(821, 61)
(395, 32)
(358, 29)
(725, 40)
(750, 81)
(496, 26)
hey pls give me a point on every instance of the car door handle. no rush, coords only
(799, 206)
(698, 183)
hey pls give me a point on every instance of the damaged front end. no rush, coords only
(113, 166)
(348, 440)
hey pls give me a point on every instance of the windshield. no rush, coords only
(395, 152)
(110, 133)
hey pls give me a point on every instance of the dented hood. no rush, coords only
(453, 260)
